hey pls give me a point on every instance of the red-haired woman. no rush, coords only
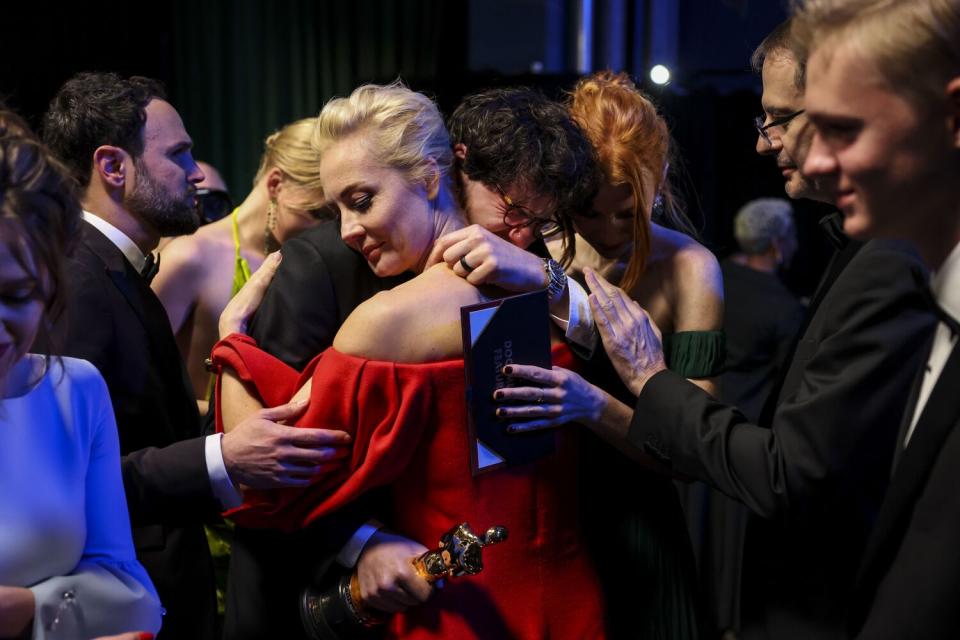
(636, 519)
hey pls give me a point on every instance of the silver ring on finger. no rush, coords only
(540, 396)
(465, 264)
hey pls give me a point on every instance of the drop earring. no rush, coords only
(270, 243)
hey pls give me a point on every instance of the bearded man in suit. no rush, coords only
(127, 148)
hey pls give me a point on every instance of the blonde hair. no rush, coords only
(632, 143)
(915, 44)
(291, 150)
(405, 127)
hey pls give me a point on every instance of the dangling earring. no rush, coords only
(270, 243)
(658, 209)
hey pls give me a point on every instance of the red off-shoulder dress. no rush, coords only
(408, 423)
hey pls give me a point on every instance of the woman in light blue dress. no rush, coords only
(67, 562)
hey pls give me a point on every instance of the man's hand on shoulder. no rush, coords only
(629, 335)
(260, 453)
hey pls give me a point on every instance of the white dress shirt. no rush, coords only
(946, 289)
(579, 327)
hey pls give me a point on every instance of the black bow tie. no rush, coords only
(941, 313)
(150, 267)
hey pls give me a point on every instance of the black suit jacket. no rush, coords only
(909, 584)
(319, 283)
(115, 321)
(815, 479)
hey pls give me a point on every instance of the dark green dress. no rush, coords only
(633, 520)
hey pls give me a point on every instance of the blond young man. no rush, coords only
(884, 96)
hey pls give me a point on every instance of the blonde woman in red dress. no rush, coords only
(394, 381)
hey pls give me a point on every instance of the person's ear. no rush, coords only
(460, 151)
(776, 251)
(110, 164)
(953, 96)
(274, 179)
(521, 237)
(431, 180)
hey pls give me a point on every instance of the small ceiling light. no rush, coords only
(659, 74)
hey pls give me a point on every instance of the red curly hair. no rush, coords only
(632, 143)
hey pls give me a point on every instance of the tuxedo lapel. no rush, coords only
(841, 258)
(146, 306)
(118, 269)
(837, 264)
(910, 409)
(163, 354)
(940, 415)
(131, 285)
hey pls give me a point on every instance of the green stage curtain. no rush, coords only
(244, 68)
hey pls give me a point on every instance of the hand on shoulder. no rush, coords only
(481, 257)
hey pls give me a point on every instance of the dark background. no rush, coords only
(239, 69)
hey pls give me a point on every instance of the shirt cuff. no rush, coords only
(220, 481)
(351, 551)
(579, 328)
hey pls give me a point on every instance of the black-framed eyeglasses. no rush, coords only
(213, 204)
(518, 216)
(782, 121)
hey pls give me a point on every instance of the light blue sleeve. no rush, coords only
(109, 591)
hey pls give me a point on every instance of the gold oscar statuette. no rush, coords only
(338, 613)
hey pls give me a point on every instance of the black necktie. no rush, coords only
(150, 267)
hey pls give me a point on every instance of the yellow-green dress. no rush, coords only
(219, 535)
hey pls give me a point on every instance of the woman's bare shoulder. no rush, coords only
(698, 284)
(692, 274)
(199, 253)
(681, 254)
(418, 321)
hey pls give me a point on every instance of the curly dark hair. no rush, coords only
(94, 109)
(518, 135)
(39, 205)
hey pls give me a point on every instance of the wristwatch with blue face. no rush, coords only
(556, 279)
